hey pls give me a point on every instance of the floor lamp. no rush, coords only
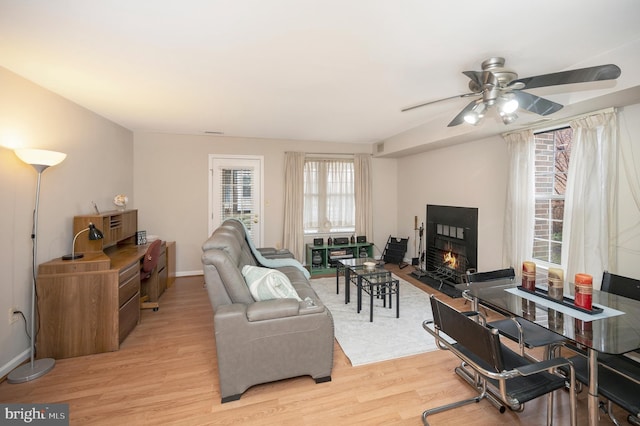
(40, 160)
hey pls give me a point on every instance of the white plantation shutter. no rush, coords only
(237, 186)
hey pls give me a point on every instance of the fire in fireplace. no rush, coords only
(451, 243)
(450, 260)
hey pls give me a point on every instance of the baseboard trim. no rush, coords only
(189, 273)
(15, 362)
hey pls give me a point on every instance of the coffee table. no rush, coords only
(377, 282)
(380, 284)
(347, 266)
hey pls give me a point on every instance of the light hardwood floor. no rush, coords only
(165, 373)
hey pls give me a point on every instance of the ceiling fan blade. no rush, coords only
(465, 95)
(597, 73)
(459, 119)
(536, 104)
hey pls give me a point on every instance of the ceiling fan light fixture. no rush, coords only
(476, 114)
(508, 105)
(508, 118)
(501, 87)
(471, 118)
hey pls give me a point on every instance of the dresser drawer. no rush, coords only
(129, 271)
(129, 315)
(128, 288)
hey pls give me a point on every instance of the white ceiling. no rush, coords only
(323, 70)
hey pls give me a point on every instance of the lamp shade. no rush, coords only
(40, 157)
(94, 234)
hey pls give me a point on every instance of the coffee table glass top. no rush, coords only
(356, 267)
(356, 262)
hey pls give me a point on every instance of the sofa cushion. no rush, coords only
(267, 283)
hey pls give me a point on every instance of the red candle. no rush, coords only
(583, 290)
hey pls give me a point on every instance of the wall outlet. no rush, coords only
(13, 317)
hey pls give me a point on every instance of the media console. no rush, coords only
(323, 259)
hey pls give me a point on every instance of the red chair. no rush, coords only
(149, 264)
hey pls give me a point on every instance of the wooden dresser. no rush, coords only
(90, 305)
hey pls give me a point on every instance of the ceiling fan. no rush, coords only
(499, 86)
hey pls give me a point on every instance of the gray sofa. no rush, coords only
(262, 341)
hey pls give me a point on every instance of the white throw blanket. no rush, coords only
(271, 263)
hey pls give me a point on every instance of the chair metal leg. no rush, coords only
(609, 411)
(550, 408)
(480, 384)
(452, 405)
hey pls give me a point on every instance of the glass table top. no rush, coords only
(614, 335)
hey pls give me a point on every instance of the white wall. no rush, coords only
(465, 175)
(385, 203)
(99, 165)
(171, 187)
(628, 240)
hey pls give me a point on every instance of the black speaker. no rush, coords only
(361, 239)
(318, 241)
(340, 240)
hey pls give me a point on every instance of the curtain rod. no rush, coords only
(344, 154)
(548, 125)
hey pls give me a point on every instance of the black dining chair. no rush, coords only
(618, 375)
(620, 285)
(504, 377)
(526, 333)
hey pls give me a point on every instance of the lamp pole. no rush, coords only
(40, 160)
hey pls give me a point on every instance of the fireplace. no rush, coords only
(451, 243)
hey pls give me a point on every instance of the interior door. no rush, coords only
(235, 189)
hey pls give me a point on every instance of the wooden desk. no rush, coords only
(171, 263)
(88, 305)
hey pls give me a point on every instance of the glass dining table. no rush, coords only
(612, 327)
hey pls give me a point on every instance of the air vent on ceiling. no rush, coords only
(380, 147)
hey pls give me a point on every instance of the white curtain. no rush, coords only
(293, 238)
(363, 195)
(339, 206)
(590, 219)
(329, 204)
(519, 208)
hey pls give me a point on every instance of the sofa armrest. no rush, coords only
(274, 308)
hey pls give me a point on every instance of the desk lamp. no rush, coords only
(94, 234)
(40, 160)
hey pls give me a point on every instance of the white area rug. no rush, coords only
(387, 337)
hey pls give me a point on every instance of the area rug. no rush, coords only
(387, 337)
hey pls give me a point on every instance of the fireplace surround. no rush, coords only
(451, 243)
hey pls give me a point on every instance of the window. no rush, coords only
(553, 149)
(329, 202)
(237, 190)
